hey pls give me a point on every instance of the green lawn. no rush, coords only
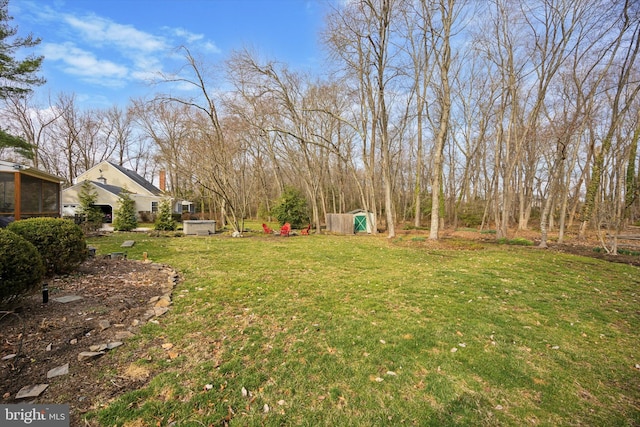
(358, 330)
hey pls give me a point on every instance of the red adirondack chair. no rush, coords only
(305, 231)
(285, 230)
(266, 229)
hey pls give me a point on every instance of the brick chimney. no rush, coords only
(163, 180)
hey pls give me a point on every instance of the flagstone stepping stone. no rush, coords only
(127, 243)
(114, 344)
(88, 355)
(31, 391)
(60, 370)
(98, 347)
(67, 299)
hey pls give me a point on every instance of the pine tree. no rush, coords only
(125, 216)
(92, 215)
(16, 76)
(164, 220)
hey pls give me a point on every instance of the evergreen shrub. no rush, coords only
(91, 215)
(165, 220)
(60, 242)
(21, 268)
(125, 216)
(291, 208)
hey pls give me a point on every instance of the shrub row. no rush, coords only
(32, 248)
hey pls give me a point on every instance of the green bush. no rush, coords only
(291, 208)
(60, 242)
(165, 220)
(125, 216)
(518, 241)
(21, 268)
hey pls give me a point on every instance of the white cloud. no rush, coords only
(97, 50)
(210, 46)
(194, 40)
(85, 64)
(105, 32)
(187, 35)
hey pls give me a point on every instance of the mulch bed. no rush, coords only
(116, 299)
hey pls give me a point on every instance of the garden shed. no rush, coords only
(356, 221)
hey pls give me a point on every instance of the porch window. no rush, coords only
(7, 194)
(38, 197)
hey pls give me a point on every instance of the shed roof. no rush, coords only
(357, 211)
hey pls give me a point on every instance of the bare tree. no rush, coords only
(33, 124)
(623, 90)
(218, 171)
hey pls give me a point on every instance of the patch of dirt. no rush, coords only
(117, 298)
(588, 251)
(473, 240)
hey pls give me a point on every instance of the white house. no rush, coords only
(109, 180)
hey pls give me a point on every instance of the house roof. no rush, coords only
(110, 188)
(137, 179)
(28, 170)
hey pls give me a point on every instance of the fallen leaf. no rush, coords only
(454, 349)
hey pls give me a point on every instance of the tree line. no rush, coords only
(432, 113)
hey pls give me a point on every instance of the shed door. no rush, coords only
(360, 223)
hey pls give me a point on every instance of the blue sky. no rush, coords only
(105, 51)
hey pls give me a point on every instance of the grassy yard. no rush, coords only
(362, 331)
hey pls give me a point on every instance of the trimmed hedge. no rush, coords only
(21, 268)
(61, 243)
